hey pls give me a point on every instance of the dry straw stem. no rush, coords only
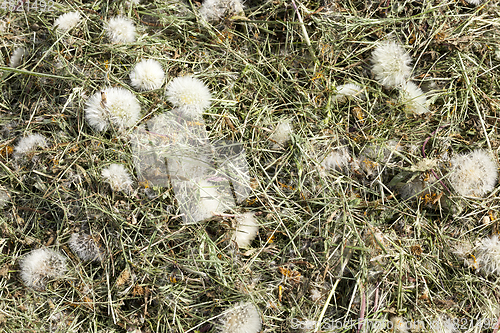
(260, 71)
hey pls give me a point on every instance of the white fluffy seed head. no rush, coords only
(487, 254)
(29, 143)
(120, 30)
(315, 295)
(210, 200)
(67, 21)
(282, 132)
(190, 95)
(399, 325)
(38, 266)
(391, 64)
(3, 26)
(213, 10)
(413, 98)
(349, 90)
(242, 318)
(474, 2)
(117, 177)
(129, 3)
(246, 230)
(117, 106)
(86, 247)
(473, 174)
(445, 324)
(17, 57)
(147, 75)
(336, 160)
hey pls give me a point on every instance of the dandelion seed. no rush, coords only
(473, 174)
(147, 75)
(336, 160)
(391, 64)
(242, 318)
(474, 2)
(120, 30)
(213, 10)
(210, 200)
(399, 325)
(413, 98)
(246, 230)
(349, 90)
(17, 57)
(190, 95)
(86, 247)
(112, 105)
(282, 132)
(488, 255)
(29, 143)
(117, 177)
(38, 266)
(129, 3)
(315, 295)
(3, 26)
(67, 21)
(463, 250)
(444, 324)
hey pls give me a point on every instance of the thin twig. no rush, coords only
(363, 308)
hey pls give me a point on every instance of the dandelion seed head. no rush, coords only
(413, 98)
(214, 10)
(391, 64)
(38, 266)
(29, 143)
(86, 247)
(120, 30)
(349, 90)
(246, 230)
(17, 57)
(315, 295)
(399, 324)
(336, 160)
(117, 177)
(190, 95)
(112, 105)
(444, 324)
(210, 200)
(473, 174)
(487, 254)
(242, 318)
(3, 26)
(129, 3)
(282, 132)
(147, 75)
(474, 2)
(67, 21)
